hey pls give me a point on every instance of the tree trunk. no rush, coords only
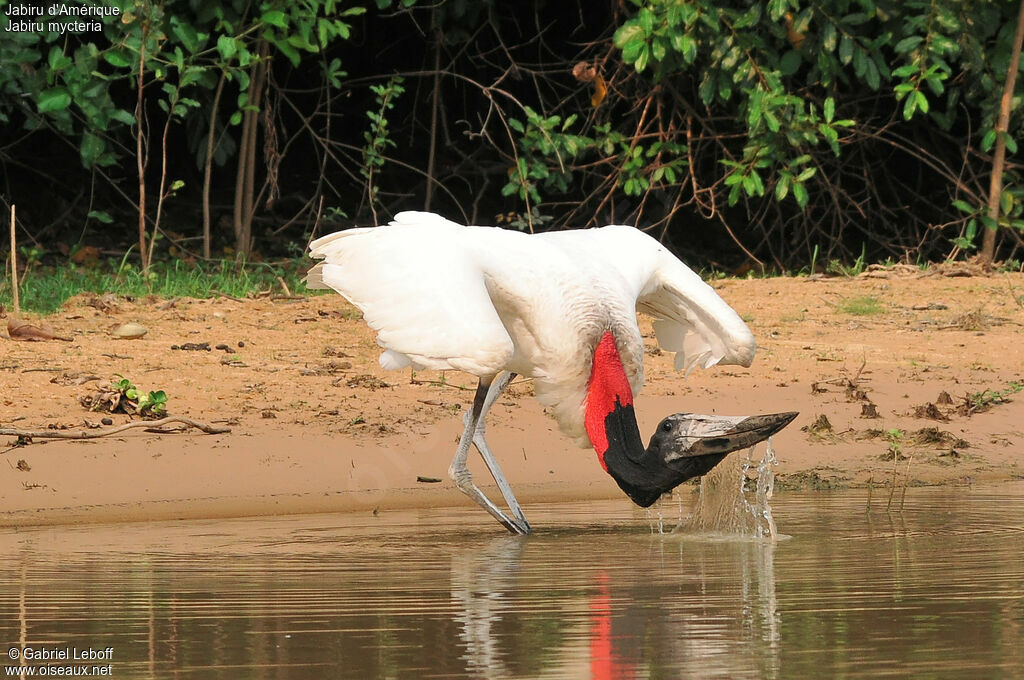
(995, 189)
(140, 158)
(245, 179)
(208, 165)
(14, 265)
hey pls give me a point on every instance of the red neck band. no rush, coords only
(608, 387)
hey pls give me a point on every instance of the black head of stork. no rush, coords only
(685, 445)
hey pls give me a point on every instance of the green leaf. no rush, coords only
(906, 70)
(227, 47)
(100, 216)
(845, 50)
(806, 174)
(689, 50)
(707, 89)
(800, 194)
(790, 62)
(828, 38)
(734, 194)
(185, 34)
(645, 18)
(964, 207)
(324, 31)
(55, 99)
(628, 33)
(922, 101)
(288, 51)
(909, 106)
(1011, 143)
(632, 50)
(908, 44)
(829, 109)
(122, 116)
(92, 148)
(758, 185)
(57, 60)
(275, 18)
(748, 184)
(658, 50)
(988, 140)
(782, 187)
(641, 61)
(871, 75)
(859, 63)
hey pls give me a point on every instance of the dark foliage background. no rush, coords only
(784, 134)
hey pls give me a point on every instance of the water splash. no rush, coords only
(734, 503)
(656, 513)
(656, 518)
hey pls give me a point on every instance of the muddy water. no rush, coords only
(937, 592)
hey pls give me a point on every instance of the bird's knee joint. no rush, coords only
(461, 476)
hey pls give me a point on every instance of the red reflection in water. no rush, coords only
(606, 661)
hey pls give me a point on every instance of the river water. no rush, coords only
(936, 591)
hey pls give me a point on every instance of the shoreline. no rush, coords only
(318, 426)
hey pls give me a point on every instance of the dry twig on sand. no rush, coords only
(148, 424)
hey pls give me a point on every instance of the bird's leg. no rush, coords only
(479, 440)
(461, 475)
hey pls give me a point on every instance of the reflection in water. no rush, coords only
(593, 594)
(481, 581)
(602, 610)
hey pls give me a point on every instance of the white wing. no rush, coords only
(693, 321)
(690, 318)
(420, 288)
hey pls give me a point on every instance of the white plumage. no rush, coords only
(485, 300)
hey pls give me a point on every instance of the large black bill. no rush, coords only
(692, 434)
(685, 445)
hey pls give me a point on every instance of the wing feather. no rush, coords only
(692, 320)
(690, 317)
(420, 288)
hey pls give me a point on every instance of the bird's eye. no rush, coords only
(666, 426)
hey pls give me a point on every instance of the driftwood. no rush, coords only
(148, 424)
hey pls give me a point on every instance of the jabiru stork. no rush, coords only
(558, 307)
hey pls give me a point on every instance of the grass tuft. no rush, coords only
(44, 289)
(864, 305)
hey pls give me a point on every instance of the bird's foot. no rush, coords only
(464, 480)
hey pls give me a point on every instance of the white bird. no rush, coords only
(559, 307)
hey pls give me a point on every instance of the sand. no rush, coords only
(317, 426)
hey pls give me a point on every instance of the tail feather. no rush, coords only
(315, 278)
